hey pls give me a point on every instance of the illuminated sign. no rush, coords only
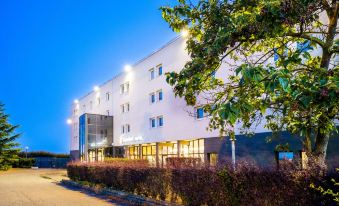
(131, 139)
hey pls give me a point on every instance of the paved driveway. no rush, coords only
(26, 187)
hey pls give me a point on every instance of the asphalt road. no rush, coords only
(26, 187)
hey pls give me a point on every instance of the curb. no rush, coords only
(118, 195)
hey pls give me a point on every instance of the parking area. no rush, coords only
(40, 187)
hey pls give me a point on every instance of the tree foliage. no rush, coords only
(8, 150)
(297, 91)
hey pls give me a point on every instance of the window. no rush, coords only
(107, 96)
(128, 128)
(160, 120)
(90, 105)
(123, 129)
(98, 100)
(151, 74)
(122, 108)
(124, 88)
(84, 108)
(160, 95)
(159, 70)
(200, 113)
(107, 112)
(152, 97)
(152, 122)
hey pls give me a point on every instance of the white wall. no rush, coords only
(178, 124)
(84, 107)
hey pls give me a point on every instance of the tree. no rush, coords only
(8, 150)
(297, 92)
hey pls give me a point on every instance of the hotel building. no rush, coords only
(136, 115)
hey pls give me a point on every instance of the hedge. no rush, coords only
(208, 186)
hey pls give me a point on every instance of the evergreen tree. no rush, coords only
(8, 150)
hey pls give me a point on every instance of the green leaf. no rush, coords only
(284, 83)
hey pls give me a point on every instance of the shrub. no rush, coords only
(24, 163)
(127, 162)
(183, 162)
(248, 185)
(332, 192)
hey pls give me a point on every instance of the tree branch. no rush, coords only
(311, 38)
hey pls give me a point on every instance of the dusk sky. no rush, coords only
(55, 51)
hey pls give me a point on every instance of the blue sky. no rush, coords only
(55, 51)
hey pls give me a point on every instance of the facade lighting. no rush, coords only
(96, 88)
(127, 68)
(69, 121)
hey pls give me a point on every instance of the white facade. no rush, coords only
(179, 121)
(128, 98)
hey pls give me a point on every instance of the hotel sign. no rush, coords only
(131, 139)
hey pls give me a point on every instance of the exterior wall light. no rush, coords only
(76, 101)
(96, 88)
(69, 121)
(127, 68)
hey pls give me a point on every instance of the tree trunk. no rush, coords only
(307, 145)
(321, 147)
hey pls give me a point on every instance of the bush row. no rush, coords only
(208, 186)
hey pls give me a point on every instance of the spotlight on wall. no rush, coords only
(76, 101)
(184, 33)
(69, 121)
(96, 88)
(127, 68)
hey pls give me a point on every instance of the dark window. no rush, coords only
(152, 122)
(160, 71)
(152, 98)
(200, 113)
(160, 121)
(160, 95)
